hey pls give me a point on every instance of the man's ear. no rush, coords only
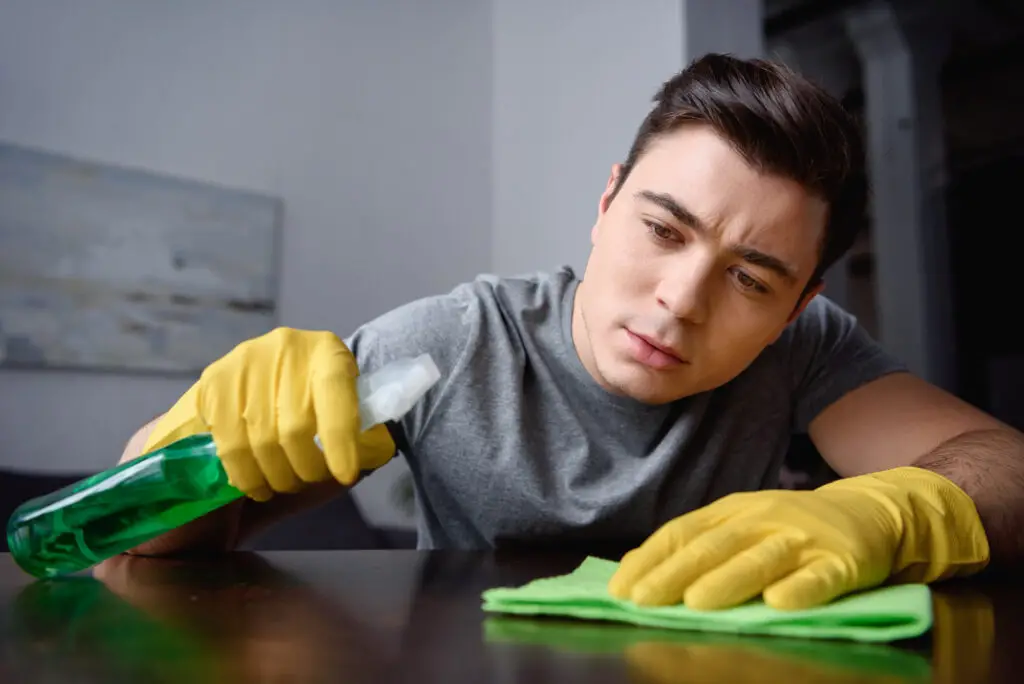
(609, 189)
(606, 198)
(799, 309)
(805, 300)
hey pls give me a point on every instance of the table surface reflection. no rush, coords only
(383, 616)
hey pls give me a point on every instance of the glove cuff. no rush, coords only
(181, 420)
(941, 533)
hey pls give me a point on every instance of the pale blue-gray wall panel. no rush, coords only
(111, 268)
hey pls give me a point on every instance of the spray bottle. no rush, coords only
(101, 516)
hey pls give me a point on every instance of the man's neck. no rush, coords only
(581, 337)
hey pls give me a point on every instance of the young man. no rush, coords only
(652, 401)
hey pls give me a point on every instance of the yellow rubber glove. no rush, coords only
(265, 400)
(802, 549)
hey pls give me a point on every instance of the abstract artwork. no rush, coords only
(111, 268)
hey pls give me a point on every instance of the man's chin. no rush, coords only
(650, 386)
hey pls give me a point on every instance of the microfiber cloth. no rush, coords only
(878, 615)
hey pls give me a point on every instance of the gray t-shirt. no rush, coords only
(517, 443)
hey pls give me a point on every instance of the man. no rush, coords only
(652, 401)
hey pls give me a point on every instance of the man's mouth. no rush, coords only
(652, 352)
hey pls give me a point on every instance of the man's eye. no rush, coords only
(659, 231)
(748, 283)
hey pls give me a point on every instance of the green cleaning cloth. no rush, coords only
(878, 615)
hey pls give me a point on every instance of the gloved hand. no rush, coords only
(264, 401)
(801, 549)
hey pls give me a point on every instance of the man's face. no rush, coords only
(697, 265)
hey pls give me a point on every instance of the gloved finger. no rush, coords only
(240, 465)
(274, 465)
(745, 575)
(375, 447)
(306, 458)
(336, 405)
(260, 416)
(231, 438)
(813, 585)
(658, 548)
(296, 425)
(667, 583)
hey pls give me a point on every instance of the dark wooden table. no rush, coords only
(405, 616)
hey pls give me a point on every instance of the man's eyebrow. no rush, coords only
(759, 258)
(674, 207)
(687, 217)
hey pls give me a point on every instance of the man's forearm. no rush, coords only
(989, 466)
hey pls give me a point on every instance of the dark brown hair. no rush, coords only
(781, 124)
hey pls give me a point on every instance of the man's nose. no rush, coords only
(685, 292)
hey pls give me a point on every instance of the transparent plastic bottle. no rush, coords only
(101, 516)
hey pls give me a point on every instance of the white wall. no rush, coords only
(571, 88)
(370, 119)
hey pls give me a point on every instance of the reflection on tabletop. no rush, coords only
(241, 619)
(961, 649)
(159, 620)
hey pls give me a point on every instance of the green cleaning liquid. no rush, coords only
(106, 514)
(98, 517)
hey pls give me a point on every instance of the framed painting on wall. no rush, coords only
(117, 269)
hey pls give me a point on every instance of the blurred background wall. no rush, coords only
(370, 120)
(415, 144)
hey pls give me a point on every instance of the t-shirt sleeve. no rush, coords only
(830, 356)
(441, 326)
